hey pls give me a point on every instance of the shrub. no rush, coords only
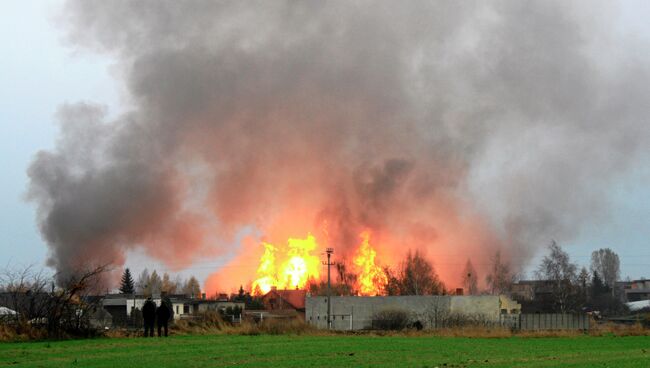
(206, 322)
(391, 319)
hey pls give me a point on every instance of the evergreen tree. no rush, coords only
(598, 287)
(607, 264)
(127, 285)
(240, 296)
(602, 299)
(583, 286)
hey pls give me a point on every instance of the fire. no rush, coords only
(371, 279)
(266, 268)
(298, 266)
(293, 265)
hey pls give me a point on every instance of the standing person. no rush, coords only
(164, 314)
(149, 316)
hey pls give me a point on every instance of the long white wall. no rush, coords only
(355, 312)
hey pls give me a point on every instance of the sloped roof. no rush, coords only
(641, 304)
(296, 298)
(4, 311)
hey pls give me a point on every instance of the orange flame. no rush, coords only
(372, 278)
(298, 267)
(292, 266)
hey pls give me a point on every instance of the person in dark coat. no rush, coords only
(149, 316)
(163, 314)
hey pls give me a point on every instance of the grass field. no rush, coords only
(329, 351)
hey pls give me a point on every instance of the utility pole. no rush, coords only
(329, 252)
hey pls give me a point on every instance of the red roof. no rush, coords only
(295, 298)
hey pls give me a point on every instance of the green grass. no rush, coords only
(332, 351)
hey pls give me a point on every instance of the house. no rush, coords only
(535, 296)
(278, 299)
(636, 290)
(221, 305)
(528, 290)
(121, 306)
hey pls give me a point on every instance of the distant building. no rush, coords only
(527, 290)
(636, 290)
(535, 296)
(285, 300)
(121, 306)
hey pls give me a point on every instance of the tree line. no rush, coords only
(152, 283)
(571, 289)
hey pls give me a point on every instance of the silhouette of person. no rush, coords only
(149, 316)
(164, 314)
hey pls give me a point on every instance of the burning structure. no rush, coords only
(268, 131)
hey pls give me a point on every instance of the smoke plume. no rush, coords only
(457, 128)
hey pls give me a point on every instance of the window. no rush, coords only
(177, 309)
(186, 309)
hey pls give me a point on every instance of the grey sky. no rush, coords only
(40, 72)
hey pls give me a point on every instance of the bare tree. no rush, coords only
(168, 286)
(470, 278)
(155, 283)
(557, 268)
(192, 287)
(417, 277)
(606, 263)
(142, 285)
(436, 313)
(500, 278)
(149, 283)
(24, 291)
(57, 309)
(346, 278)
(71, 305)
(393, 283)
